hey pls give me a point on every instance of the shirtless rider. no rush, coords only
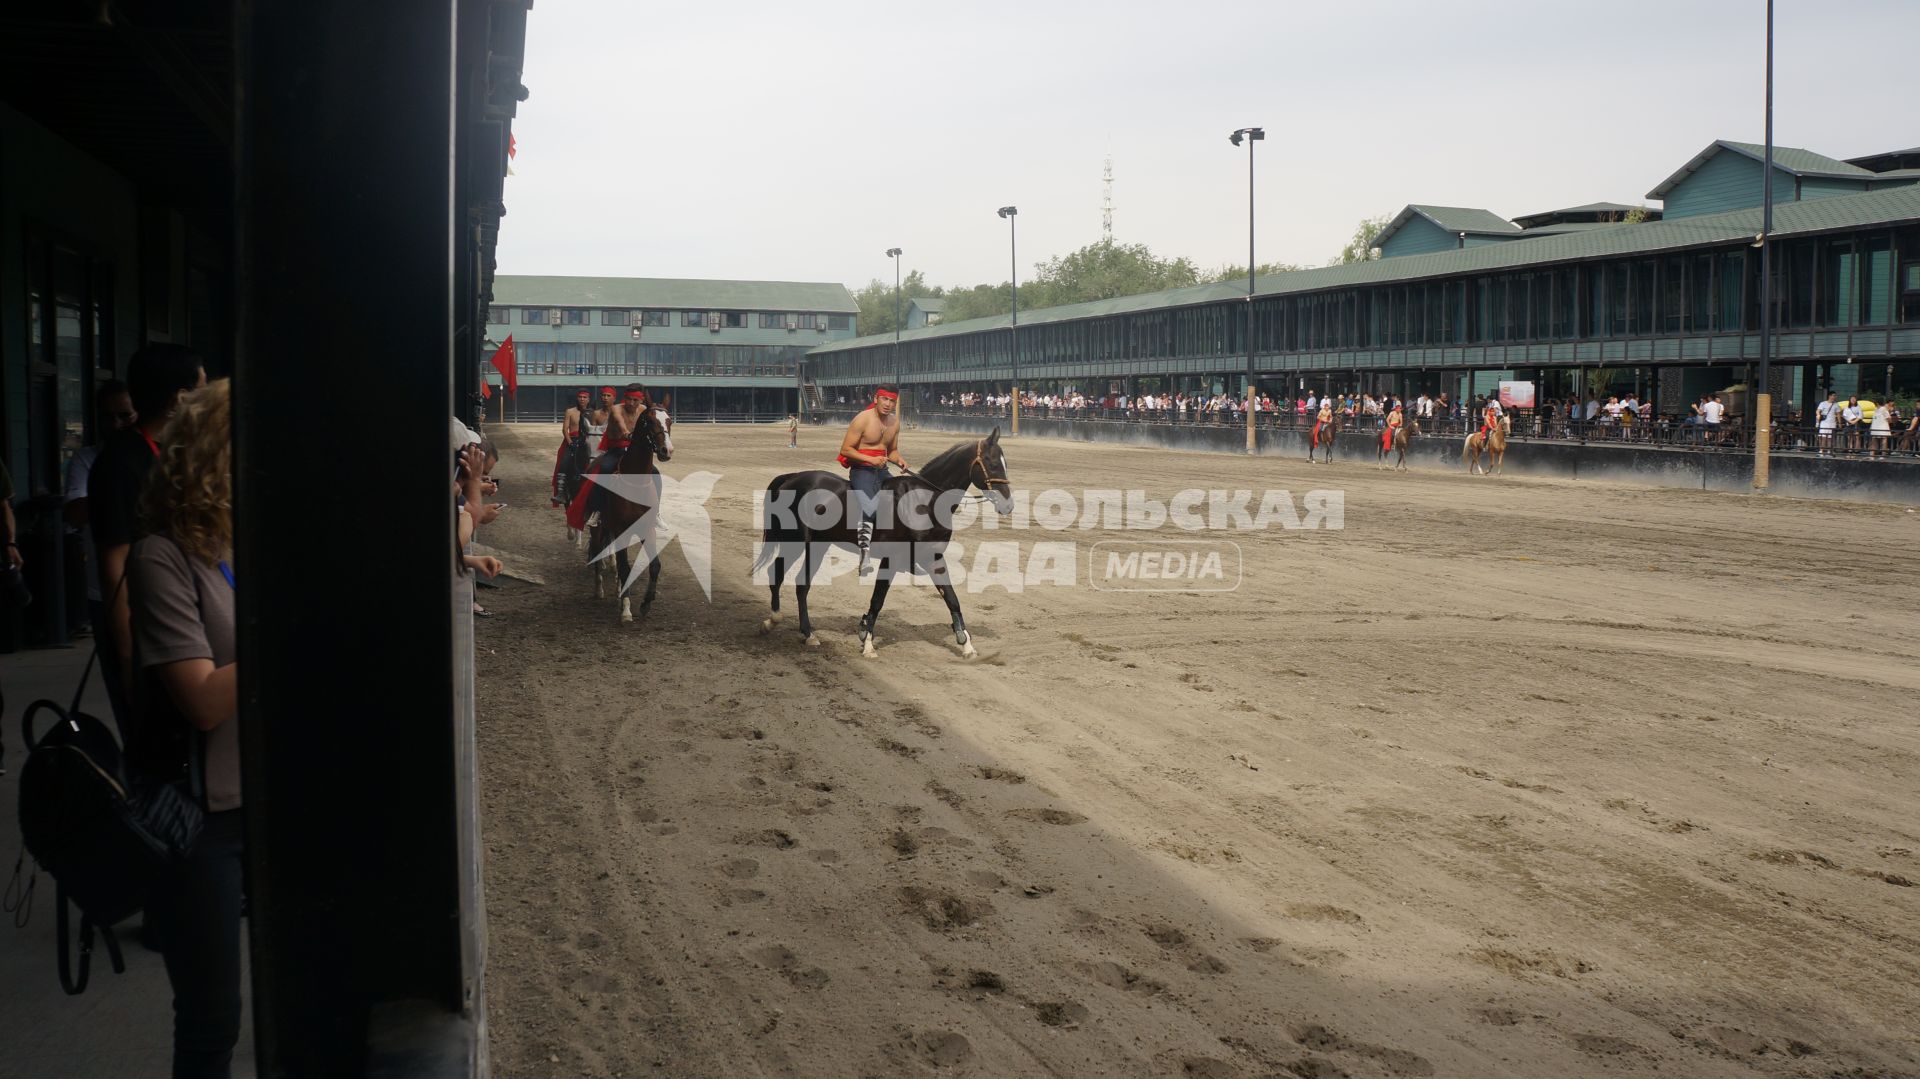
(872, 442)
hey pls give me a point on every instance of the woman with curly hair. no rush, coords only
(181, 589)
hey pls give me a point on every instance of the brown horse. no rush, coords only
(621, 521)
(1494, 446)
(1323, 434)
(1398, 444)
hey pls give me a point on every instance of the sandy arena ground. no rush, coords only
(1506, 778)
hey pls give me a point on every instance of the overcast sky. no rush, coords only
(799, 141)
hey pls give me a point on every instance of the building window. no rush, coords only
(576, 316)
(656, 318)
(533, 316)
(779, 320)
(734, 320)
(615, 316)
(499, 316)
(693, 318)
(839, 322)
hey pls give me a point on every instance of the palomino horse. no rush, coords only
(1398, 443)
(1323, 434)
(1494, 447)
(618, 516)
(911, 531)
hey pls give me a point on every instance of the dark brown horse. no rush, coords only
(1398, 443)
(624, 524)
(574, 459)
(806, 514)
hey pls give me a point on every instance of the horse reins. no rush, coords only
(979, 462)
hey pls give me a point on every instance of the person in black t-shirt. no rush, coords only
(158, 376)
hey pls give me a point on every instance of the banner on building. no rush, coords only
(1516, 395)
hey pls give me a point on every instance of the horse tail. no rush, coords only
(770, 535)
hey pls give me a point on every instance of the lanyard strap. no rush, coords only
(151, 444)
(227, 572)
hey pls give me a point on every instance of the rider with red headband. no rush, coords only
(570, 427)
(622, 418)
(871, 442)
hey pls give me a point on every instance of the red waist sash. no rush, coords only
(877, 452)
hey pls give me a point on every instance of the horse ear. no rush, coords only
(995, 436)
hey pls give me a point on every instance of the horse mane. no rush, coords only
(957, 457)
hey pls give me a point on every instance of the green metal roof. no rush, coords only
(1453, 219)
(1591, 208)
(930, 304)
(511, 290)
(1565, 226)
(1895, 206)
(1789, 159)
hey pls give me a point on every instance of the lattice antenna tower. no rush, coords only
(1106, 202)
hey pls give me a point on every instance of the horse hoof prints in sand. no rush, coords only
(806, 513)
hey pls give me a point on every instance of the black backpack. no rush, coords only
(106, 836)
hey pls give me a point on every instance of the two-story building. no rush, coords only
(721, 350)
(1583, 301)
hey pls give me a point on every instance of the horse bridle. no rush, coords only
(979, 462)
(987, 478)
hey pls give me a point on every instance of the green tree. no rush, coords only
(1362, 247)
(876, 301)
(1235, 272)
(1104, 270)
(1098, 271)
(1635, 215)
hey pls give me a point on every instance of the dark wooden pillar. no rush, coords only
(356, 697)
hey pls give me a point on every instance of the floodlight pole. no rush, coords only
(1013, 256)
(894, 254)
(1251, 135)
(1763, 400)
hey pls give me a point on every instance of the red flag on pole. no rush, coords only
(503, 363)
(486, 390)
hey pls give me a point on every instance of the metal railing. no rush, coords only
(1732, 436)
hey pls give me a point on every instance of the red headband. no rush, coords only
(888, 394)
(608, 389)
(636, 395)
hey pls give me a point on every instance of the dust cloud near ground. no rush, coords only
(1505, 777)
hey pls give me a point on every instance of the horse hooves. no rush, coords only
(813, 640)
(766, 626)
(967, 651)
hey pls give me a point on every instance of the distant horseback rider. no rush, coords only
(569, 435)
(1394, 422)
(593, 424)
(621, 419)
(872, 442)
(1489, 421)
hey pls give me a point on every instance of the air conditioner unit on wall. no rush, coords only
(820, 323)
(553, 316)
(713, 321)
(793, 323)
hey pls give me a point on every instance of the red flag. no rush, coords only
(486, 390)
(503, 363)
(513, 145)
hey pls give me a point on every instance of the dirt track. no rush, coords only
(1507, 777)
